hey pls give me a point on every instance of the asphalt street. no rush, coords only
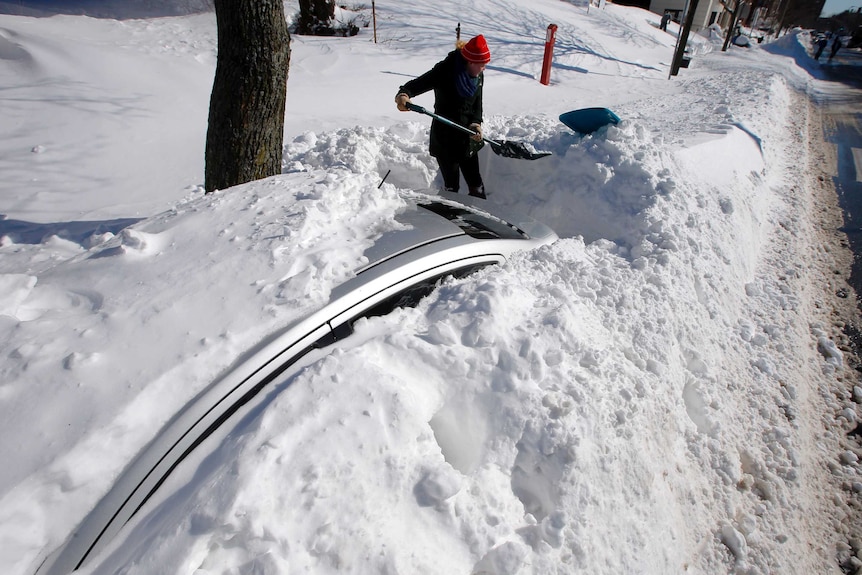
(841, 109)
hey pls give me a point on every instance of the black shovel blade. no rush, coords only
(509, 149)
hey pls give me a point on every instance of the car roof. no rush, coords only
(428, 219)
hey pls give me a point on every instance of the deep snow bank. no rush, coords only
(657, 418)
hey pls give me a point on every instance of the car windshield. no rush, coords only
(474, 224)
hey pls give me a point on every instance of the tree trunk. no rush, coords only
(246, 117)
(315, 17)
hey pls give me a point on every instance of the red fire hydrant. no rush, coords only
(550, 38)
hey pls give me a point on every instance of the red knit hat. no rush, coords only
(476, 50)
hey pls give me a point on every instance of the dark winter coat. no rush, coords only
(447, 142)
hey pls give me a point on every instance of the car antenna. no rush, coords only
(384, 178)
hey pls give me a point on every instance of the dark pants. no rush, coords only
(449, 169)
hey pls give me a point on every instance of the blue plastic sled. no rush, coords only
(588, 120)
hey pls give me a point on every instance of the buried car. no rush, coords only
(441, 236)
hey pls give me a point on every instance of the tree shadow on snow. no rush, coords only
(22, 232)
(113, 9)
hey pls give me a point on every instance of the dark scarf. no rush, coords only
(464, 83)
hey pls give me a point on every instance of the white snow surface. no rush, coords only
(662, 390)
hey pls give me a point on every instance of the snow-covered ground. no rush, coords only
(663, 390)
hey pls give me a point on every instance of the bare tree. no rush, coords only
(315, 17)
(803, 13)
(246, 117)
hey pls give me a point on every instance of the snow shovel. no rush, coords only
(504, 148)
(588, 120)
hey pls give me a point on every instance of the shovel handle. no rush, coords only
(501, 148)
(416, 108)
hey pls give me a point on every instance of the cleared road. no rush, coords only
(841, 108)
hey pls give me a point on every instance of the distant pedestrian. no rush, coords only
(836, 45)
(664, 21)
(821, 45)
